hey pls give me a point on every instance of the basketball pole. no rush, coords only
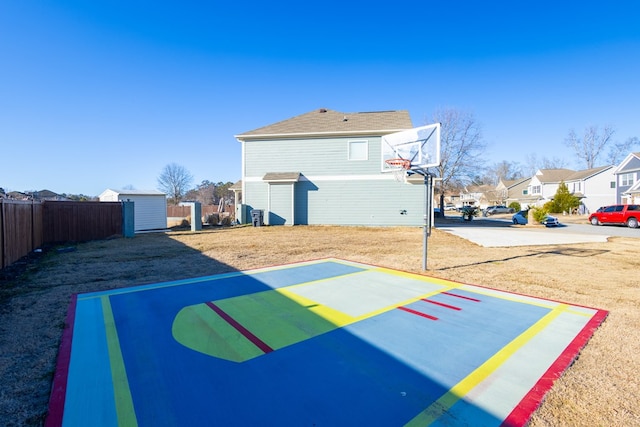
(428, 186)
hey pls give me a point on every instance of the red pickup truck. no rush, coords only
(617, 214)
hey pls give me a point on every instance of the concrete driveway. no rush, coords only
(500, 232)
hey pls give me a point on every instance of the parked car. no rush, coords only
(628, 215)
(449, 207)
(521, 218)
(550, 221)
(492, 210)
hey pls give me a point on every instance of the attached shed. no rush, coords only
(150, 207)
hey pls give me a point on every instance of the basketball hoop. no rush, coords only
(399, 168)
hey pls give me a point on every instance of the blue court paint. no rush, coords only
(383, 370)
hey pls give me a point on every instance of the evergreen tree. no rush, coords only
(564, 201)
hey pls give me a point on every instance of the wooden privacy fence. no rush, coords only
(25, 226)
(185, 211)
(20, 229)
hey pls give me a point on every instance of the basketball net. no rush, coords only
(400, 168)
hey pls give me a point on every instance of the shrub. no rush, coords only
(539, 214)
(515, 206)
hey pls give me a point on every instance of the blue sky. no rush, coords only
(97, 95)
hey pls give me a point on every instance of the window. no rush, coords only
(358, 150)
(536, 189)
(613, 184)
(626, 179)
(525, 192)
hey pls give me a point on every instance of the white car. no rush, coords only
(521, 219)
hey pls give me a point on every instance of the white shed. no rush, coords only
(149, 207)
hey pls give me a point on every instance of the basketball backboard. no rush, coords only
(420, 146)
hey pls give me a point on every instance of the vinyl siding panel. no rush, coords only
(310, 156)
(359, 202)
(149, 212)
(281, 204)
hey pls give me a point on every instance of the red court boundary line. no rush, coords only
(521, 414)
(417, 313)
(61, 376)
(441, 304)
(461, 296)
(244, 331)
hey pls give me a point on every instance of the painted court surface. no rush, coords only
(327, 342)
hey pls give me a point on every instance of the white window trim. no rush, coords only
(627, 179)
(366, 152)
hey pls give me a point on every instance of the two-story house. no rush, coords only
(544, 185)
(512, 190)
(594, 187)
(325, 167)
(628, 179)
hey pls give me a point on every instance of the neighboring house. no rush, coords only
(325, 167)
(627, 177)
(479, 196)
(149, 207)
(544, 185)
(594, 187)
(512, 190)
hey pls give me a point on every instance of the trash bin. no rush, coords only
(257, 217)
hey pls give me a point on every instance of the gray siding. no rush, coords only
(310, 156)
(361, 202)
(281, 204)
(333, 190)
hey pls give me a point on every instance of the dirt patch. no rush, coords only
(601, 388)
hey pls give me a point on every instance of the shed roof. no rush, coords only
(135, 192)
(329, 122)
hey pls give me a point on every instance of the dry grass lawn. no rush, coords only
(602, 388)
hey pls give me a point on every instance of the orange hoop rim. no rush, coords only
(399, 163)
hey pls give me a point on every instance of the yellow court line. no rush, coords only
(340, 318)
(125, 411)
(457, 392)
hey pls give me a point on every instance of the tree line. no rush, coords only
(463, 146)
(176, 181)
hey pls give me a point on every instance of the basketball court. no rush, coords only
(326, 342)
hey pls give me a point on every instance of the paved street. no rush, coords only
(500, 232)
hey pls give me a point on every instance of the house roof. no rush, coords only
(622, 167)
(324, 122)
(587, 173)
(282, 177)
(554, 175)
(635, 189)
(510, 183)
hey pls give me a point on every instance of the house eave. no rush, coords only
(271, 136)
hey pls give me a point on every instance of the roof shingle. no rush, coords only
(324, 121)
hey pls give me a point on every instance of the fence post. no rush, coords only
(128, 219)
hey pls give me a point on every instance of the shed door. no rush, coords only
(280, 204)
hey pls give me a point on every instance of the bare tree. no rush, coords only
(591, 145)
(461, 147)
(533, 163)
(620, 150)
(175, 181)
(502, 170)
